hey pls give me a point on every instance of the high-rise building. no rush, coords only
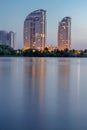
(12, 39)
(7, 38)
(35, 30)
(64, 34)
(4, 38)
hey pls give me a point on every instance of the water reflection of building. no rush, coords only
(63, 89)
(34, 78)
(78, 78)
(64, 72)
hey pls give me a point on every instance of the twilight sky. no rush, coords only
(13, 13)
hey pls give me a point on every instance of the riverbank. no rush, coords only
(6, 51)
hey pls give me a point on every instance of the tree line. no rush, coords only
(8, 51)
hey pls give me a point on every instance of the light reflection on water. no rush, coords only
(43, 93)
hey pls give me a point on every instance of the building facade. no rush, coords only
(12, 39)
(7, 38)
(35, 30)
(4, 38)
(64, 34)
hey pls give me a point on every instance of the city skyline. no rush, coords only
(13, 13)
(64, 34)
(8, 38)
(35, 30)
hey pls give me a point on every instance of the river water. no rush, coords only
(43, 93)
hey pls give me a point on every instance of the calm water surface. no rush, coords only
(43, 94)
